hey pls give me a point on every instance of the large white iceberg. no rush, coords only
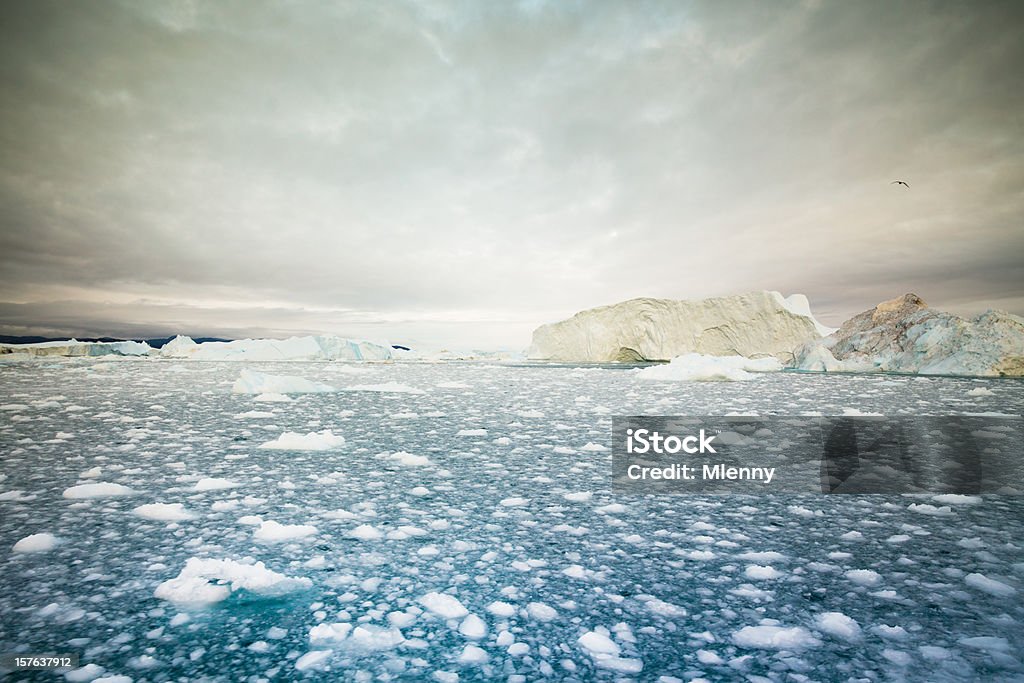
(905, 335)
(75, 348)
(754, 325)
(320, 347)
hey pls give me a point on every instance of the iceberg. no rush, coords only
(75, 348)
(753, 325)
(319, 347)
(905, 335)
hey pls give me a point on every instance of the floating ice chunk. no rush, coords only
(272, 398)
(956, 499)
(252, 382)
(366, 532)
(91, 473)
(193, 584)
(759, 572)
(409, 459)
(84, 674)
(772, 637)
(36, 543)
(471, 654)
(215, 484)
(501, 609)
(579, 497)
(611, 509)
(273, 532)
(935, 653)
(625, 665)
(897, 657)
(663, 608)
(891, 632)
(389, 387)
(471, 432)
(97, 490)
(575, 571)
(594, 447)
(990, 586)
(254, 414)
(314, 659)
(371, 637)
(473, 627)
(993, 644)
(763, 556)
(926, 509)
(165, 512)
(700, 368)
(863, 577)
(605, 652)
(444, 605)
(541, 611)
(598, 644)
(513, 502)
(419, 491)
(981, 391)
(324, 440)
(113, 679)
(839, 625)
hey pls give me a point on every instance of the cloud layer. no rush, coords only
(464, 171)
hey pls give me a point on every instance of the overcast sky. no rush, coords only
(458, 173)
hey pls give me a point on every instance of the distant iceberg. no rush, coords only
(905, 335)
(754, 325)
(320, 347)
(75, 348)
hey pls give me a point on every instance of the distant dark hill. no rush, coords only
(155, 343)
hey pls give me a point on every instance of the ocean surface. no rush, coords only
(466, 530)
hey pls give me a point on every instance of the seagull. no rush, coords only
(900, 182)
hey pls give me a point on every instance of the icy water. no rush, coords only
(491, 486)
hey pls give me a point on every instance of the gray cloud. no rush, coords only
(472, 169)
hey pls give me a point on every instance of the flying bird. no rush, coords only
(900, 182)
